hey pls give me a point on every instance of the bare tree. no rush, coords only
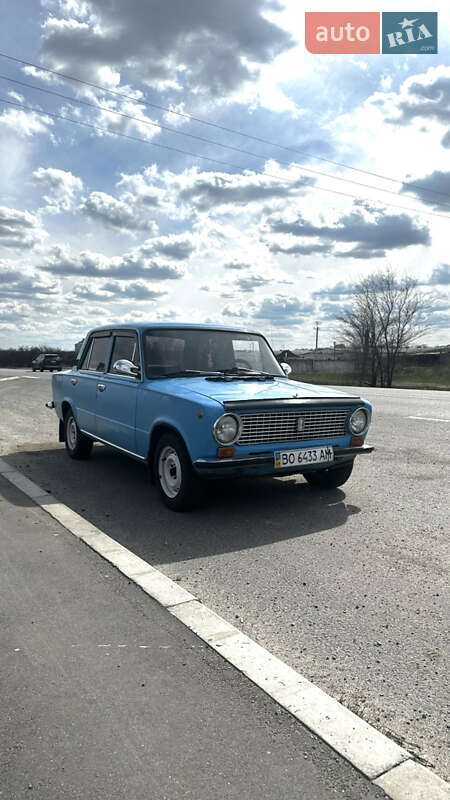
(387, 315)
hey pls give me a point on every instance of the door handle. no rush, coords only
(101, 387)
(74, 381)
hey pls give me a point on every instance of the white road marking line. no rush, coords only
(379, 758)
(13, 378)
(431, 419)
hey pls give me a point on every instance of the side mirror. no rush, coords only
(286, 368)
(125, 367)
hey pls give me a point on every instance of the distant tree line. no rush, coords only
(23, 356)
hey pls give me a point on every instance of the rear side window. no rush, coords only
(125, 347)
(97, 352)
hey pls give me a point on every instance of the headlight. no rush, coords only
(226, 429)
(359, 421)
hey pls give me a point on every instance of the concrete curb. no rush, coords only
(381, 760)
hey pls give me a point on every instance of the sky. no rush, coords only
(210, 169)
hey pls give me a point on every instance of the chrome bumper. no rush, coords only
(203, 465)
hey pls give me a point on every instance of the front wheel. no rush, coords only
(329, 478)
(175, 478)
(77, 444)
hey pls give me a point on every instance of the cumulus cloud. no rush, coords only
(210, 47)
(425, 96)
(21, 284)
(282, 310)
(62, 187)
(19, 229)
(24, 124)
(297, 249)
(372, 231)
(235, 264)
(440, 276)
(178, 246)
(116, 290)
(116, 214)
(128, 266)
(341, 289)
(438, 185)
(220, 190)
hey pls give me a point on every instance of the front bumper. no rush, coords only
(263, 463)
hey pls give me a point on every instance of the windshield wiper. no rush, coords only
(241, 372)
(183, 373)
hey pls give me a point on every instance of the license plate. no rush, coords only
(310, 455)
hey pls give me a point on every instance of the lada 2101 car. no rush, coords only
(196, 401)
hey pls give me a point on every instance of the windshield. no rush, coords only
(171, 352)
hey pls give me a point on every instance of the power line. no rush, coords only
(206, 158)
(190, 117)
(205, 140)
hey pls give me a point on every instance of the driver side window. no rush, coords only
(125, 347)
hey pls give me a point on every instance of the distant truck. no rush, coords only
(50, 361)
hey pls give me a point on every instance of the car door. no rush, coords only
(117, 395)
(85, 380)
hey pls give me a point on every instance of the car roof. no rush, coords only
(143, 326)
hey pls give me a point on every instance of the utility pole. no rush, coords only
(317, 335)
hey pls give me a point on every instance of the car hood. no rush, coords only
(277, 389)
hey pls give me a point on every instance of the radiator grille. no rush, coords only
(282, 426)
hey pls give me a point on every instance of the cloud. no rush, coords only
(210, 47)
(14, 313)
(236, 265)
(96, 265)
(425, 96)
(440, 275)
(116, 214)
(24, 124)
(61, 186)
(282, 310)
(336, 292)
(297, 249)
(373, 232)
(215, 190)
(177, 246)
(19, 229)
(250, 282)
(20, 284)
(331, 311)
(438, 182)
(115, 290)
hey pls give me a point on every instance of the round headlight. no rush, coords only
(226, 429)
(358, 421)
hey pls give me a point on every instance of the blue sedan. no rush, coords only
(197, 401)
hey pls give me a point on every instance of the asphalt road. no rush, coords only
(349, 587)
(106, 695)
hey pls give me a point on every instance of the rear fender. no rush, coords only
(62, 431)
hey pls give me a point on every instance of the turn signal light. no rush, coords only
(357, 441)
(226, 452)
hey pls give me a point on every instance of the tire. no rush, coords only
(329, 478)
(77, 444)
(34, 369)
(176, 481)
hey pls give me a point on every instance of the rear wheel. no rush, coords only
(77, 444)
(329, 478)
(174, 476)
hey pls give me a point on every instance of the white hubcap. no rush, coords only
(72, 433)
(169, 471)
